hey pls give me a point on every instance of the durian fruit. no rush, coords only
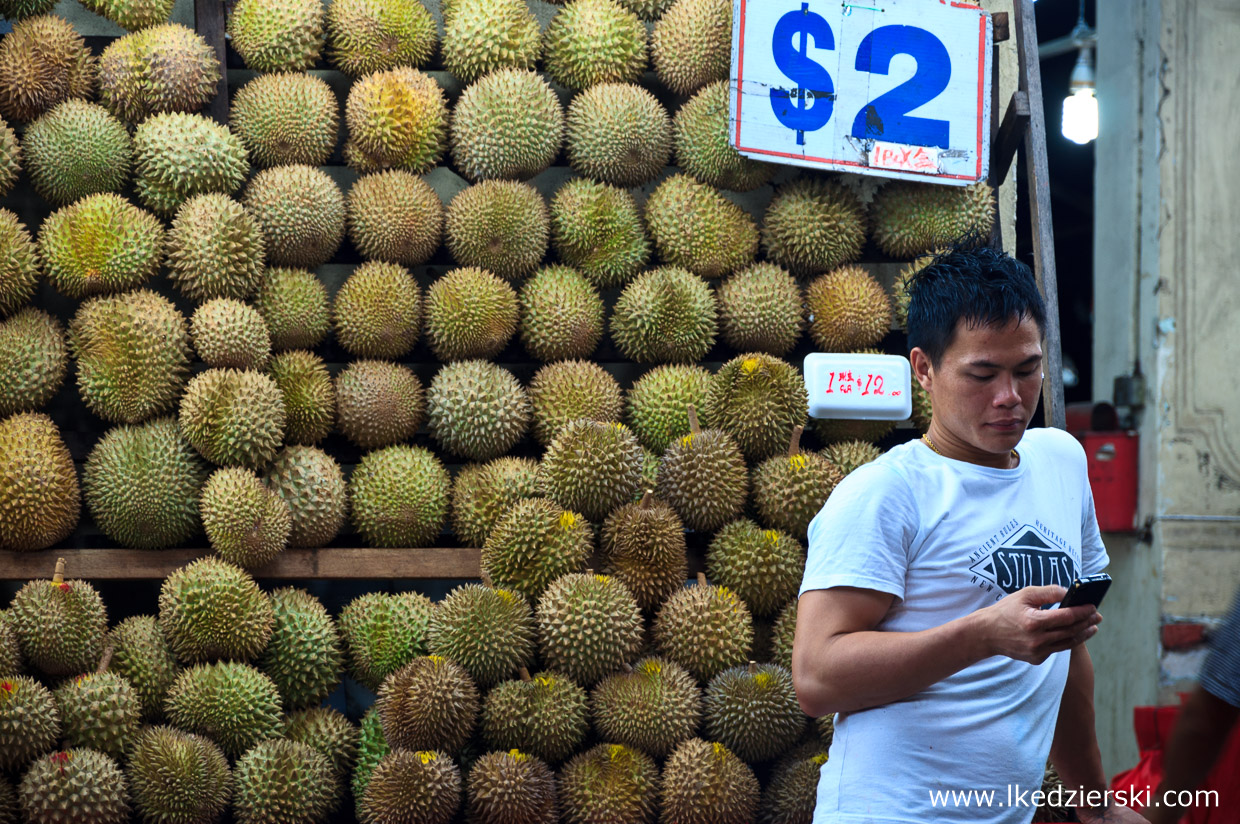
(59, 624)
(658, 403)
(383, 632)
(286, 118)
(651, 706)
(565, 391)
(132, 15)
(379, 403)
(692, 44)
(328, 731)
(782, 635)
(648, 10)
(231, 703)
(591, 467)
(643, 546)
(76, 149)
(29, 722)
(481, 36)
(372, 748)
(508, 124)
(294, 304)
(910, 219)
(588, 626)
(309, 396)
(702, 148)
(758, 399)
(15, 10)
(543, 715)
(533, 544)
(301, 212)
(233, 418)
(922, 408)
(408, 787)
(705, 783)
(396, 118)
(487, 631)
(282, 780)
(164, 68)
(378, 311)
(394, 216)
(789, 490)
(215, 249)
(753, 711)
(277, 35)
(313, 486)
(210, 609)
(366, 36)
(832, 431)
(848, 455)
(482, 493)
(100, 244)
(610, 782)
(10, 157)
(696, 227)
(477, 410)
(760, 310)
(74, 785)
(178, 155)
(140, 655)
(813, 225)
(561, 315)
(19, 263)
(428, 704)
(10, 650)
(597, 229)
(33, 359)
(792, 792)
(8, 803)
(43, 62)
(246, 523)
(399, 496)
(702, 476)
(40, 501)
(618, 133)
(705, 629)
(511, 788)
(498, 225)
(665, 314)
(899, 290)
(230, 334)
(99, 710)
(848, 309)
(178, 777)
(470, 313)
(595, 41)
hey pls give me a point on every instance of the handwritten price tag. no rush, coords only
(876, 387)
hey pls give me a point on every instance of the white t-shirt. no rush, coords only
(947, 538)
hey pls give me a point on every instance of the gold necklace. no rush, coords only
(926, 438)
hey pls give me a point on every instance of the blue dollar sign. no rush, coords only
(807, 107)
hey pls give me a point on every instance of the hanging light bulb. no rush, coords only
(1080, 107)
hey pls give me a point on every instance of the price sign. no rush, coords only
(871, 387)
(897, 88)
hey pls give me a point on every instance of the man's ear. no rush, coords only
(923, 369)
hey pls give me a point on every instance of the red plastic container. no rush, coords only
(1112, 458)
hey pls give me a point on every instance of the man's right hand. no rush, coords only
(1017, 627)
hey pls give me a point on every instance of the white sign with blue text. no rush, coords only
(897, 88)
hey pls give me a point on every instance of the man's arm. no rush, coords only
(1201, 730)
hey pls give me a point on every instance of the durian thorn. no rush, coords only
(59, 576)
(525, 675)
(794, 445)
(701, 579)
(694, 427)
(647, 499)
(105, 659)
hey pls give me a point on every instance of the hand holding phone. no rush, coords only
(1087, 590)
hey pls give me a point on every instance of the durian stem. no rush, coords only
(701, 579)
(486, 579)
(628, 668)
(525, 675)
(105, 659)
(694, 427)
(59, 576)
(647, 499)
(589, 571)
(753, 667)
(794, 446)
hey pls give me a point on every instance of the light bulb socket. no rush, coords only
(1083, 72)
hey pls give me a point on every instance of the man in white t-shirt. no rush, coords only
(919, 620)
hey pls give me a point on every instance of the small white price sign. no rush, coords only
(849, 385)
(897, 88)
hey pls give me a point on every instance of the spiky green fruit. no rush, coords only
(643, 546)
(508, 124)
(20, 9)
(383, 632)
(230, 334)
(533, 544)
(210, 609)
(561, 315)
(910, 219)
(705, 783)
(400, 496)
(411, 787)
(282, 780)
(511, 788)
(178, 777)
(215, 249)
(591, 467)
(10, 157)
(900, 289)
(365, 36)
(329, 732)
(99, 710)
(831, 430)
(544, 715)
(60, 625)
(395, 216)
(588, 626)
(618, 133)
(753, 711)
(813, 225)
(19, 263)
(482, 493)
(665, 314)
(692, 44)
(233, 704)
(595, 41)
(178, 155)
(8, 803)
(488, 631)
(33, 358)
(379, 403)
(658, 403)
(396, 118)
(782, 635)
(760, 310)
(705, 629)
(596, 228)
(303, 657)
(246, 523)
(758, 399)
(286, 118)
(481, 36)
(696, 227)
(100, 244)
(498, 225)
(277, 35)
(923, 409)
(372, 747)
(142, 482)
(702, 148)
(565, 391)
(378, 311)
(848, 309)
(132, 15)
(10, 650)
(43, 62)
(76, 149)
(610, 782)
(294, 305)
(477, 410)
(702, 476)
(313, 486)
(652, 706)
(792, 793)
(40, 501)
(848, 455)
(470, 313)
(29, 722)
(789, 490)
(74, 785)
(309, 396)
(301, 213)
(165, 68)
(140, 654)
(233, 418)
(428, 704)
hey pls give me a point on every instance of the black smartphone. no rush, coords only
(1087, 590)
